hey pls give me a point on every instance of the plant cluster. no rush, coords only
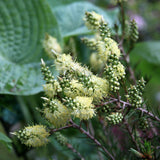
(77, 95)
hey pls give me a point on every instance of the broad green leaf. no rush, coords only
(56, 3)
(23, 24)
(146, 60)
(150, 51)
(70, 17)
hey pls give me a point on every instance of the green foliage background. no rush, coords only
(23, 24)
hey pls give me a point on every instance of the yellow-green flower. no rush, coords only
(75, 89)
(33, 136)
(59, 116)
(101, 88)
(84, 109)
(107, 47)
(52, 89)
(119, 72)
(51, 45)
(65, 63)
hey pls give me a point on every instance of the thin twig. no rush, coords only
(74, 150)
(140, 109)
(105, 103)
(130, 133)
(148, 113)
(59, 129)
(126, 103)
(92, 138)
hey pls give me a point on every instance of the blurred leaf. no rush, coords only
(150, 51)
(4, 138)
(70, 17)
(146, 58)
(7, 141)
(22, 28)
(147, 69)
(54, 3)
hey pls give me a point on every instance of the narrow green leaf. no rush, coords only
(4, 138)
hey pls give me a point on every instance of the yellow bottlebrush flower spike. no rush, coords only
(65, 63)
(101, 87)
(52, 89)
(56, 113)
(84, 108)
(75, 89)
(50, 44)
(119, 72)
(33, 136)
(109, 46)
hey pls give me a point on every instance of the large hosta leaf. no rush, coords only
(55, 3)
(23, 24)
(70, 17)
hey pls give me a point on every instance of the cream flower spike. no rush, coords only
(33, 136)
(51, 46)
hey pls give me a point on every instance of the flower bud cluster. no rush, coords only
(134, 34)
(143, 123)
(86, 80)
(135, 94)
(114, 118)
(47, 75)
(102, 43)
(82, 81)
(60, 138)
(114, 72)
(82, 107)
(90, 42)
(106, 109)
(107, 52)
(104, 30)
(33, 136)
(92, 20)
(55, 112)
(75, 91)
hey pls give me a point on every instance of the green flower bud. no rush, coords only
(60, 138)
(134, 34)
(47, 75)
(92, 20)
(114, 118)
